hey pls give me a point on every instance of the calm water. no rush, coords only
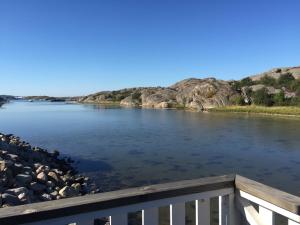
(123, 147)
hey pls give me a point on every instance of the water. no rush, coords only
(122, 147)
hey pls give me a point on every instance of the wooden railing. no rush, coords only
(237, 200)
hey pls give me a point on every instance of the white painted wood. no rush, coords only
(270, 206)
(177, 214)
(248, 211)
(202, 212)
(150, 216)
(119, 219)
(291, 222)
(266, 215)
(135, 207)
(224, 210)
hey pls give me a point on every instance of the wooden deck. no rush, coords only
(236, 196)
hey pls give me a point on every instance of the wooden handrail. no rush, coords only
(279, 198)
(106, 201)
(72, 206)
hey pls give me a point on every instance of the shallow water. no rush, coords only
(123, 147)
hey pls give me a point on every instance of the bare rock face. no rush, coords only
(200, 94)
(158, 98)
(275, 73)
(196, 94)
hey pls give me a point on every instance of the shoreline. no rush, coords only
(32, 174)
(282, 111)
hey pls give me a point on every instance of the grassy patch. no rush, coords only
(274, 110)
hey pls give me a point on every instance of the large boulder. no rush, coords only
(158, 97)
(202, 94)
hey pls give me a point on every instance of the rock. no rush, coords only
(10, 200)
(13, 157)
(17, 168)
(40, 169)
(22, 196)
(50, 184)
(17, 191)
(31, 174)
(130, 102)
(67, 192)
(53, 176)
(24, 179)
(45, 197)
(190, 93)
(77, 187)
(37, 187)
(54, 194)
(42, 177)
(5, 164)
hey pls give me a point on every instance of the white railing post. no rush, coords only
(120, 219)
(150, 216)
(224, 210)
(266, 215)
(177, 214)
(202, 212)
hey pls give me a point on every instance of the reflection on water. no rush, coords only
(123, 147)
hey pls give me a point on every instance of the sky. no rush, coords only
(77, 47)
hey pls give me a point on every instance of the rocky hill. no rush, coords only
(275, 73)
(280, 86)
(198, 94)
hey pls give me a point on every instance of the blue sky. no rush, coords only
(76, 47)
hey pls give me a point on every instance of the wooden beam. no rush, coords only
(279, 198)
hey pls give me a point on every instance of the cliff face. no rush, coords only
(197, 94)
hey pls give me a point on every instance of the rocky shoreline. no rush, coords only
(32, 174)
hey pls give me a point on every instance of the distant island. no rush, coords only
(278, 87)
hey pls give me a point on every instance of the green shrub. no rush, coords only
(269, 81)
(237, 100)
(261, 97)
(285, 79)
(247, 82)
(295, 101)
(294, 86)
(236, 85)
(279, 99)
(298, 91)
